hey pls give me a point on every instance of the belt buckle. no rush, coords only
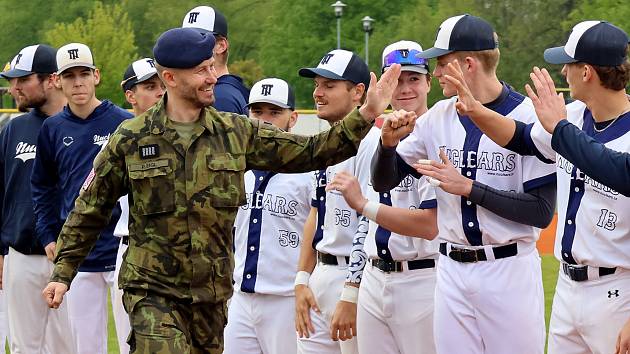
(463, 255)
(576, 273)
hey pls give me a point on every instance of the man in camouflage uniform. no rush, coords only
(182, 165)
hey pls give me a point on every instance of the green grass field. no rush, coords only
(549, 270)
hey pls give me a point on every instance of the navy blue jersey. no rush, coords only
(67, 146)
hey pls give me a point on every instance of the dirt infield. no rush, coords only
(545, 242)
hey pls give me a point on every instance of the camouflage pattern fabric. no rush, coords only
(184, 195)
(161, 325)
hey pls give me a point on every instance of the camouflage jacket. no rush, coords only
(184, 195)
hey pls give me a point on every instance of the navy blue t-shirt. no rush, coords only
(230, 95)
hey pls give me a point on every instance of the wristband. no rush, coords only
(350, 294)
(370, 210)
(301, 278)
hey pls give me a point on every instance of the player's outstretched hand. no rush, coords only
(304, 303)
(623, 340)
(349, 187)
(344, 321)
(445, 175)
(53, 294)
(51, 250)
(396, 126)
(467, 104)
(379, 94)
(549, 106)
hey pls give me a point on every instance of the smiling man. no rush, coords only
(182, 164)
(66, 147)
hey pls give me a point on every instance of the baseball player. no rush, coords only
(66, 147)
(230, 93)
(267, 238)
(326, 300)
(35, 328)
(592, 300)
(398, 284)
(143, 89)
(489, 296)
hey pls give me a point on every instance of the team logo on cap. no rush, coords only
(73, 53)
(192, 17)
(151, 63)
(404, 53)
(17, 59)
(326, 58)
(266, 89)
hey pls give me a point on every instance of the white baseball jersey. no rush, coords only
(411, 193)
(479, 158)
(268, 231)
(336, 220)
(592, 229)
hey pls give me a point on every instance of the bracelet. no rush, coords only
(301, 278)
(370, 210)
(350, 294)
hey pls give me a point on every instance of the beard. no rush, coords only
(190, 94)
(36, 100)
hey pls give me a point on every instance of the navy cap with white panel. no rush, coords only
(33, 59)
(462, 33)
(139, 71)
(274, 91)
(593, 42)
(340, 64)
(206, 19)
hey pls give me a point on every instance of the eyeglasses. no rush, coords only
(404, 57)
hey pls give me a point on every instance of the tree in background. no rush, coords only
(108, 32)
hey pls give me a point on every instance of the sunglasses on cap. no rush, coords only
(404, 57)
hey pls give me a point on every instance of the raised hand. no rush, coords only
(396, 126)
(549, 106)
(349, 187)
(379, 94)
(467, 104)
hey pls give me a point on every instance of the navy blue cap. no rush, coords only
(592, 42)
(34, 59)
(340, 64)
(462, 33)
(183, 48)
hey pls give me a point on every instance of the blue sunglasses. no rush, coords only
(404, 57)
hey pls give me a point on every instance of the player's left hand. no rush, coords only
(344, 321)
(445, 175)
(349, 187)
(379, 94)
(623, 340)
(549, 106)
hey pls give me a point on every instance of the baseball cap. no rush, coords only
(462, 33)
(274, 91)
(405, 53)
(73, 55)
(207, 19)
(593, 42)
(139, 71)
(183, 48)
(340, 64)
(33, 59)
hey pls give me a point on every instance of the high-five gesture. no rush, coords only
(549, 106)
(467, 104)
(396, 126)
(380, 93)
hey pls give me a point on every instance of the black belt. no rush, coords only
(330, 259)
(580, 273)
(125, 240)
(397, 266)
(464, 255)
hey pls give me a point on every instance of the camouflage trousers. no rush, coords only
(164, 325)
